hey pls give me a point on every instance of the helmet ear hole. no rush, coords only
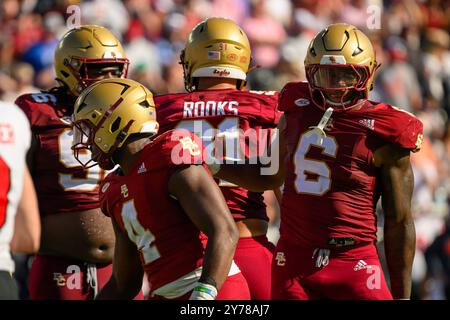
(65, 74)
(144, 104)
(356, 52)
(116, 124)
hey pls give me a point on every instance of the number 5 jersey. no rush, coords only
(61, 183)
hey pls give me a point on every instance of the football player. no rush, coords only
(339, 152)
(169, 216)
(77, 240)
(216, 61)
(19, 216)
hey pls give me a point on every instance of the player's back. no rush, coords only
(209, 112)
(60, 181)
(171, 245)
(332, 185)
(14, 143)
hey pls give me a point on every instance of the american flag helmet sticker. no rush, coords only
(214, 55)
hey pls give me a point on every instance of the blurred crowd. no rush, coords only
(411, 39)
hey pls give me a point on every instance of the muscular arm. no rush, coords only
(399, 232)
(27, 227)
(126, 279)
(203, 202)
(251, 177)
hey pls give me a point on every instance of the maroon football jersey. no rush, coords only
(60, 181)
(139, 202)
(212, 111)
(332, 186)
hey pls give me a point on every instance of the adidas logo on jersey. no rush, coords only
(369, 123)
(360, 265)
(142, 168)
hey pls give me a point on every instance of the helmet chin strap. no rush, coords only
(337, 104)
(320, 128)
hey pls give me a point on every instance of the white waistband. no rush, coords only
(186, 283)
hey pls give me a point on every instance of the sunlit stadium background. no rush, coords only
(411, 38)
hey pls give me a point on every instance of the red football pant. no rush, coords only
(353, 273)
(234, 288)
(57, 278)
(254, 257)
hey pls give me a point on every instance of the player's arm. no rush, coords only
(27, 227)
(127, 275)
(278, 194)
(203, 202)
(399, 232)
(257, 177)
(34, 145)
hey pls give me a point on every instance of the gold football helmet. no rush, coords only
(340, 65)
(83, 48)
(106, 114)
(216, 47)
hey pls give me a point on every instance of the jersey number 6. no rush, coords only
(321, 181)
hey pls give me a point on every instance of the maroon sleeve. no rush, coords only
(268, 114)
(180, 148)
(399, 127)
(24, 103)
(41, 108)
(294, 95)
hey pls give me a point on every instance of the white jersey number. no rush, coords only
(303, 165)
(66, 157)
(142, 238)
(229, 127)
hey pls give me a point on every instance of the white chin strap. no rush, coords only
(320, 128)
(337, 104)
(219, 72)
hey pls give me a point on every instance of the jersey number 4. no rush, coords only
(5, 185)
(142, 238)
(313, 176)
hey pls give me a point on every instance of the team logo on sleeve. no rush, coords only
(124, 190)
(302, 102)
(188, 144)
